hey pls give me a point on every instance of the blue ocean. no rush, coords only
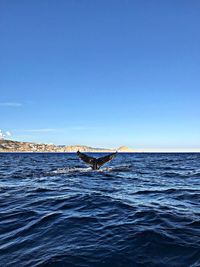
(139, 210)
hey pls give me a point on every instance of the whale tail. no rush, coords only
(96, 163)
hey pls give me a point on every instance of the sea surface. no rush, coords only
(138, 210)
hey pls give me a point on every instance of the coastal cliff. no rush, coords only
(16, 146)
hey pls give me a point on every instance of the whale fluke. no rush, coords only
(96, 163)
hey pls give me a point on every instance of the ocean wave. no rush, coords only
(141, 210)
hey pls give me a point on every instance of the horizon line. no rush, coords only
(170, 150)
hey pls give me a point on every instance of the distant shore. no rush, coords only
(10, 146)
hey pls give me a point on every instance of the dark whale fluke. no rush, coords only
(96, 163)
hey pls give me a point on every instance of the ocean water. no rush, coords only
(139, 210)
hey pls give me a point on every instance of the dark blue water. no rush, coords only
(139, 210)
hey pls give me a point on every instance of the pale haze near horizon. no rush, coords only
(101, 73)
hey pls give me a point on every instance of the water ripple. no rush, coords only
(140, 210)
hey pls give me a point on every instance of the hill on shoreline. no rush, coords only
(17, 146)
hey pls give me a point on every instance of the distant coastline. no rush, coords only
(17, 146)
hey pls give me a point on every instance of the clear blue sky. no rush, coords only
(101, 72)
